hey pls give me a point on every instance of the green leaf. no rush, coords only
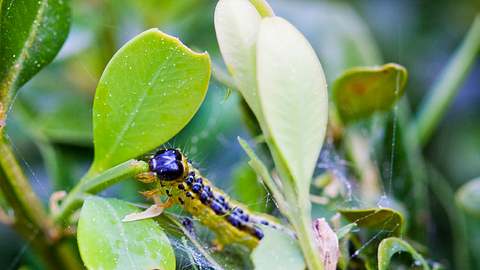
(277, 250)
(32, 32)
(293, 95)
(359, 92)
(148, 92)
(105, 242)
(390, 246)
(237, 23)
(375, 218)
(468, 197)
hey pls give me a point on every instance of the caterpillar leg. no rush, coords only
(151, 212)
(146, 177)
(217, 245)
(151, 194)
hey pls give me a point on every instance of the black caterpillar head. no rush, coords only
(167, 164)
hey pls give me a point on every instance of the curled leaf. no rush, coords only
(359, 92)
(390, 246)
(327, 243)
(376, 218)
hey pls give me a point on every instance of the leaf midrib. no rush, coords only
(15, 69)
(122, 232)
(133, 116)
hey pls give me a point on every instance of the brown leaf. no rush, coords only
(327, 243)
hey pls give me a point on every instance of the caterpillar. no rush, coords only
(174, 176)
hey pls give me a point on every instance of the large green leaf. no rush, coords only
(277, 250)
(148, 92)
(105, 242)
(376, 218)
(293, 95)
(362, 91)
(237, 23)
(468, 197)
(32, 32)
(390, 246)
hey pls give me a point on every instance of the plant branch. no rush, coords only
(31, 220)
(444, 90)
(303, 227)
(263, 8)
(95, 184)
(289, 204)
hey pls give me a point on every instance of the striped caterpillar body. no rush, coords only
(231, 221)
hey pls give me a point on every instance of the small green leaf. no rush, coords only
(237, 23)
(105, 242)
(293, 95)
(468, 197)
(277, 250)
(390, 246)
(359, 92)
(375, 218)
(32, 32)
(148, 92)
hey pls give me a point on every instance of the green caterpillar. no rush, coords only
(175, 177)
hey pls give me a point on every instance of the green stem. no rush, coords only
(223, 77)
(297, 212)
(303, 228)
(263, 8)
(31, 220)
(98, 183)
(444, 90)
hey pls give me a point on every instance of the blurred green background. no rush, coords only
(50, 126)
